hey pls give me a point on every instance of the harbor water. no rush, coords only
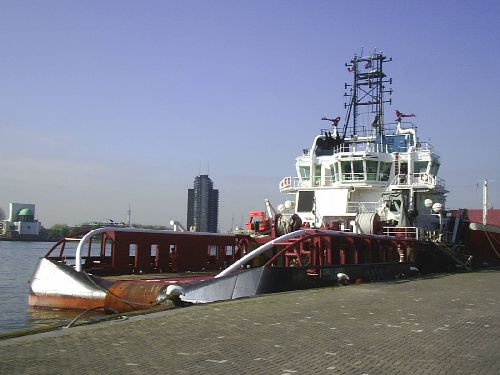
(18, 260)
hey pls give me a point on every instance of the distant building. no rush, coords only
(21, 222)
(203, 206)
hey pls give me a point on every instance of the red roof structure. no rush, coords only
(476, 216)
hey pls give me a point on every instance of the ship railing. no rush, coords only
(360, 147)
(440, 181)
(367, 130)
(348, 178)
(359, 142)
(391, 127)
(435, 235)
(418, 179)
(423, 146)
(303, 159)
(65, 251)
(290, 183)
(402, 232)
(329, 180)
(362, 207)
(421, 178)
(375, 147)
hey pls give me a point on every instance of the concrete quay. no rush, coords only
(444, 324)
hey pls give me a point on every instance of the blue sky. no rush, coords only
(103, 103)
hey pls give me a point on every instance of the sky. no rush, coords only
(109, 103)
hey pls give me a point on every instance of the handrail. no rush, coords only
(269, 245)
(362, 207)
(405, 232)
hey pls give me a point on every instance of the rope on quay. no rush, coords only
(83, 313)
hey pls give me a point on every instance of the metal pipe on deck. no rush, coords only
(269, 245)
(260, 250)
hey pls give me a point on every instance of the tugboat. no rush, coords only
(372, 176)
(367, 204)
(363, 175)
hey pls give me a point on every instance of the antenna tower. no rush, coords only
(367, 91)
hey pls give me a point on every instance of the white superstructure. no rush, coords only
(362, 177)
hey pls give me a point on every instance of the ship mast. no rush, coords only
(366, 93)
(485, 202)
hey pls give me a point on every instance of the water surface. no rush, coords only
(18, 260)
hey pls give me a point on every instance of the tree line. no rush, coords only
(58, 231)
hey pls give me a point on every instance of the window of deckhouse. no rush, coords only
(358, 174)
(212, 250)
(420, 166)
(385, 170)
(154, 250)
(434, 168)
(403, 167)
(334, 169)
(346, 170)
(305, 172)
(132, 249)
(371, 170)
(317, 174)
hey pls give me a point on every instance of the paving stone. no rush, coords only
(444, 324)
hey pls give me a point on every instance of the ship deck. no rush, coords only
(437, 324)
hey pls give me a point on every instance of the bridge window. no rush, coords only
(357, 166)
(403, 167)
(420, 167)
(317, 174)
(346, 170)
(305, 172)
(397, 143)
(371, 170)
(385, 170)
(335, 171)
(434, 168)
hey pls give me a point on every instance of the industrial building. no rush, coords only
(21, 222)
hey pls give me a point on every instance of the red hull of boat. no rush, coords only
(484, 243)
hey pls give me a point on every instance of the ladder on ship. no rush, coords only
(397, 164)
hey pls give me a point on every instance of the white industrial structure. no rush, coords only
(21, 221)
